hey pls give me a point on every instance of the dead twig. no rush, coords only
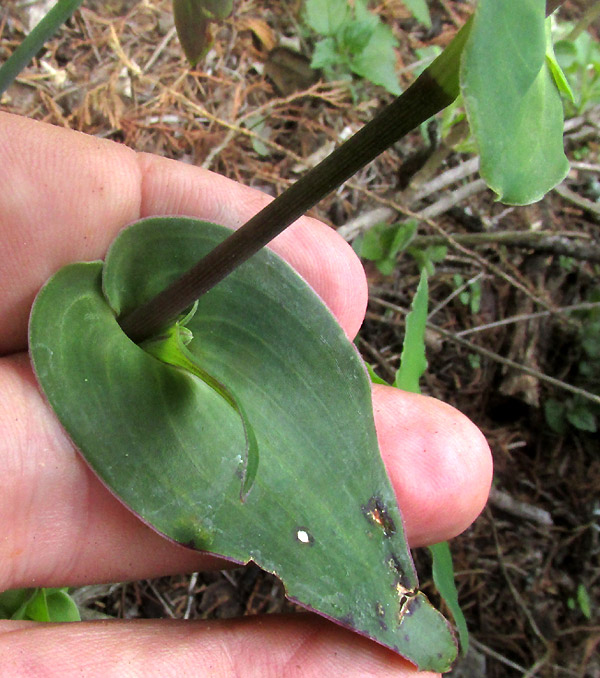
(487, 353)
(520, 509)
(578, 200)
(524, 317)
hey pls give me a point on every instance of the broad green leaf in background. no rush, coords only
(513, 105)
(326, 17)
(377, 60)
(320, 512)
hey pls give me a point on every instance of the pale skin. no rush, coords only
(63, 198)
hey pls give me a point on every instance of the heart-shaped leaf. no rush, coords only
(319, 511)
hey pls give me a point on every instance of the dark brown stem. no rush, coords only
(434, 89)
(418, 103)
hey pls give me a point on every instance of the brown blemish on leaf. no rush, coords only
(377, 513)
(395, 565)
(409, 603)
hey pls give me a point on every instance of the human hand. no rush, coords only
(64, 197)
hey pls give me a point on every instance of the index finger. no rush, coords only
(65, 196)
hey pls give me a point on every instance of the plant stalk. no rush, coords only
(436, 88)
(36, 39)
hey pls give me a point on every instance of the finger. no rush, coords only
(66, 195)
(302, 646)
(438, 461)
(62, 527)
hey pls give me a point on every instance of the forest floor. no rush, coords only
(253, 111)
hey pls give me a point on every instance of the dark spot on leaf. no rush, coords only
(396, 566)
(376, 512)
(406, 638)
(383, 625)
(347, 620)
(379, 609)
(414, 604)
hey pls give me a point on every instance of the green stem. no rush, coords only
(32, 44)
(436, 88)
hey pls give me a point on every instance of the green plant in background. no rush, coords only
(353, 40)
(576, 410)
(383, 243)
(471, 293)
(39, 604)
(579, 58)
(581, 601)
(419, 10)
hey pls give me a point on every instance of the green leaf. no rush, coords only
(512, 103)
(354, 35)
(443, 578)
(377, 61)
(383, 242)
(39, 604)
(192, 18)
(13, 603)
(32, 44)
(584, 601)
(413, 362)
(171, 349)
(375, 378)
(322, 514)
(61, 607)
(582, 418)
(555, 414)
(37, 607)
(192, 29)
(215, 9)
(420, 10)
(560, 79)
(326, 17)
(326, 54)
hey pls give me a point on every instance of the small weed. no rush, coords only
(580, 62)
(383, 243)
(581, 601)
(42, 605)
(576, 410)
(353, 41)
(471, 293)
